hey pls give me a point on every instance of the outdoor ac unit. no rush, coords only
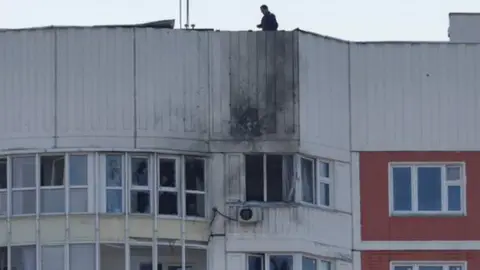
(249, 215)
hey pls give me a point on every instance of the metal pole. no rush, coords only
(188, 13)
(180, 12)
(183, 181)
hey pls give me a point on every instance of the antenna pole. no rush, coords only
(180, 13)
(188, 13)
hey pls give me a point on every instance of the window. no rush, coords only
(52, 184)
(427, 188)
(82, 257)
(167, 185)
(3, 186)
(195, 187)
(312, 263)
(149, 266)
(274, 262)
(78, 188)
(427, 266)
(24, 257)
(114, 185)
(269, 178)
(52, 257)
(23, 185)
(316, 181)
(139, 186)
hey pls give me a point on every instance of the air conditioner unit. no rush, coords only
(249, 215)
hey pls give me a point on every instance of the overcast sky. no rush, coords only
(347, 19)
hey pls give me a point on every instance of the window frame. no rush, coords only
(123, 188)
(12, 189)
(413, 166)
(52, 187)
(416, 264)
(71, 187)
(158, 187)
(318, 181)
(5, 191)
(266, 258)
(131, 187)
(185, 191)
(293, 187)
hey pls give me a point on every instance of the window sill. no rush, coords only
(428, 214)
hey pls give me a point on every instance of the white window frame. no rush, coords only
(266, 259)
(318, 180)
(318, 262)
(177, 189)
(53, 187)
(4, 191)
(416, 265)
(77, 187)
(13, 189)
(196, 192)
(123, 188)
(132, 187)
(291, 194)
(414, 187)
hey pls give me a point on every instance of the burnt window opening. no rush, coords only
(269, 178)
(195, 187)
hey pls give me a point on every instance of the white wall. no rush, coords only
(415, 96)
(324, 97)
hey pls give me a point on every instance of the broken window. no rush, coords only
(269, 177)
(139, 187)
(52, 181)
(167, 186)
(269, 262)
(195, 186)
(3, 187)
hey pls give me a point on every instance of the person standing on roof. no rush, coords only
(269, 21)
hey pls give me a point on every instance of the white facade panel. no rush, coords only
(27, 83)
(95, 95)
(324, 104)
(415, 97)
(172, 85)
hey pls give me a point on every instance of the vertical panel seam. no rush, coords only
(55, 89)
(134, 70)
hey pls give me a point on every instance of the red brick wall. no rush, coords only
(380, 260)
(378, 226)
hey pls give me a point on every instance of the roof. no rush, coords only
(162, 24)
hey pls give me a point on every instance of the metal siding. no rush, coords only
(464, 27)
(324, 97)
(256, 75)
(95, 87)
(27, 82)
(415, 97)
(172, 83)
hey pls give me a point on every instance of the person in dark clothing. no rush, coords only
(269, 21)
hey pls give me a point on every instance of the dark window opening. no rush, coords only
(195, 186)
(3, 173)
(52, 170)
(167, 187)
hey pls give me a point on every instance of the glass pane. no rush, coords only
(3, 173)
(167, 203)
(52, 200)
(178, 268)
(52, 170)
(114, 171)
(167, 172)
(114, 201)
(23, 202)
(23, 174)
(195, 204)
(455, 268)
(3, 258)
(454, 198)
(402, 268)
(325, 194)
(429, 189)
(402, 189)
(195, 174)
(324, 169)
(53, 257)
(24, 258)
(78, 200)
(139, 202)
(430, 267)
(308, 181)
(140, 172)
(78, 170)
(453, 173)
(325, 265)
(82, 257)
(309, 264)
(255, 263)
(281, 262)
(3, 203)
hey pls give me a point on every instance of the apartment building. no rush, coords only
(137, 148)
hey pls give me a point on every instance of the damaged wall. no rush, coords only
(259, 69)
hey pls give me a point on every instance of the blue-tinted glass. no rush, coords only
(78, 170)
(429, 189)
(402, 268)
(402, 191)
(454, 198)
(281, 262)
(114, 201)
(430, 268)
(255, 263)
(114, 171)
(309, 264)
(455, 268)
